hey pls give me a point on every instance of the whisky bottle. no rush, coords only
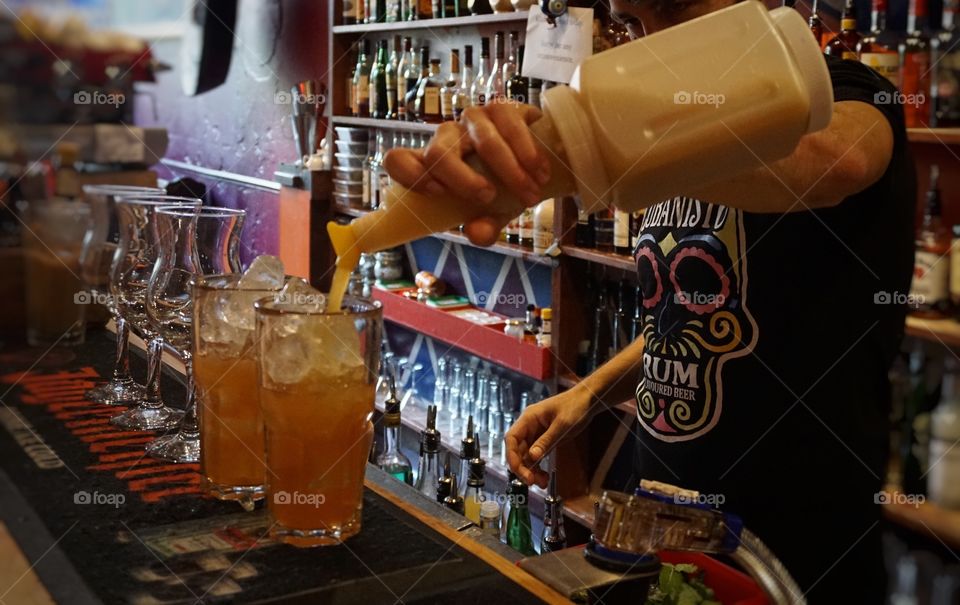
(945, 74)
(621, 231)
(428, 95)
(878, 49)
(449, 88)
(361, 81)
(413, 86)
(844, 44)
(929, 291)
(915, 67)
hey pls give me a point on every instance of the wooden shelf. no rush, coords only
(617, 261)
(385, 124)
(459, 238)
(928, 519)
(943, 136)
(488, 342)
(361, 28)
(943, 331)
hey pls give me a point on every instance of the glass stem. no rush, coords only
(189, 427)
(154, 370)
(121, 365)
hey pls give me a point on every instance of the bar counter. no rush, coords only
(88, 518)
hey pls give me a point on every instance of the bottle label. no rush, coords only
(931, 276)
(621, 229)
(431, 101)
(372, 95)
(583, 218)
(526, 224)
(915, 76)
(513, 227)
(542, 239)
(363, 89)
(955, 270)
(851, 56)
(366, 187)
(446, 104)
(885, 64)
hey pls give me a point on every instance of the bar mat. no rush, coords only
(136, 530)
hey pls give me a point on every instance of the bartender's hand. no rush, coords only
(541, 427)
(498, 133)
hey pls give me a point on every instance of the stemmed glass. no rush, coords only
(99, 246)
(132, 265)
(193, 242)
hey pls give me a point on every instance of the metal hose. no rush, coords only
(764, 567)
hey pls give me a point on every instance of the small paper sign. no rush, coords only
(553, 51)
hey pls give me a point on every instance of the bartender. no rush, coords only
(761, 380)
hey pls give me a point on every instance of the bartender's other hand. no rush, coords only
(498, 133)
(540, 428)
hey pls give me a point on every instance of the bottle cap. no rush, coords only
(489, 509)
(546, 313)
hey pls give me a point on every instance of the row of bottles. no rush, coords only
(393, 11)
(610, 230)
(923, 62)
(616, 321)
(402, 84)
(935, 288)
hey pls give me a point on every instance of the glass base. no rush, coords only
(116, 392)
(148, 419)
(246, 495)
(175, 448)
(308, 538)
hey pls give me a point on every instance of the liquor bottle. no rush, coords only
(393, 11)
(490, 518)
(545, 337)
(351, 104)
(478, 89)
(469, 449)
(392, 461)
(844, 44)
(361, 10)
(636, 322)
(915, 67)
(413, 86)
(444, 482)
(942, 486)
(931, 272)
(428, 472)
(621, 231)
(945, 74)
(510, 66)
(533, 91)
(911, 468)
(517, 85)
(453, 501)
(878, 49)
(449, 87)
(525, 229)
(406, 61)
(379, 108)
(816, 25)
(603, 230)
(481, 7)
(518, 526)
(428, 95)
(361, 81)
(585, 233)
(408, 10)
(461, 95)
(473, 494)
(636, 225)
(348, 14)
(393, 66)
(495, 90)
(618, 329)
(554, 536)
(600, 333)
(425, 9)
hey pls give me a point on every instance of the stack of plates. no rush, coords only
(348, 173)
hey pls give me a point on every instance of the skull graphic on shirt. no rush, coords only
(691, 264)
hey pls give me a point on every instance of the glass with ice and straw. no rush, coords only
(317, 371)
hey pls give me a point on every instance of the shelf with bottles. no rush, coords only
(489, 342)
(384, 124)
(942, 136)
(943, 331)
(447, 22)
(623, 262)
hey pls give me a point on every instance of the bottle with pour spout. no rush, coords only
(683, 108)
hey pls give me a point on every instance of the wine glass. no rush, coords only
(193, 242)
(132, 265)
(99, 245)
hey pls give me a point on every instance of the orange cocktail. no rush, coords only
(317, 377)
(232, 455)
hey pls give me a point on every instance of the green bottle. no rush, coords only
(379, 105)
(519, 529)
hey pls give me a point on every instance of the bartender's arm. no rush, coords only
(543, 425)
(848, 156)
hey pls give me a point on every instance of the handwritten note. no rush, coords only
(553, 51)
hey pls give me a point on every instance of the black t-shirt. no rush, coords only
(768, 338)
